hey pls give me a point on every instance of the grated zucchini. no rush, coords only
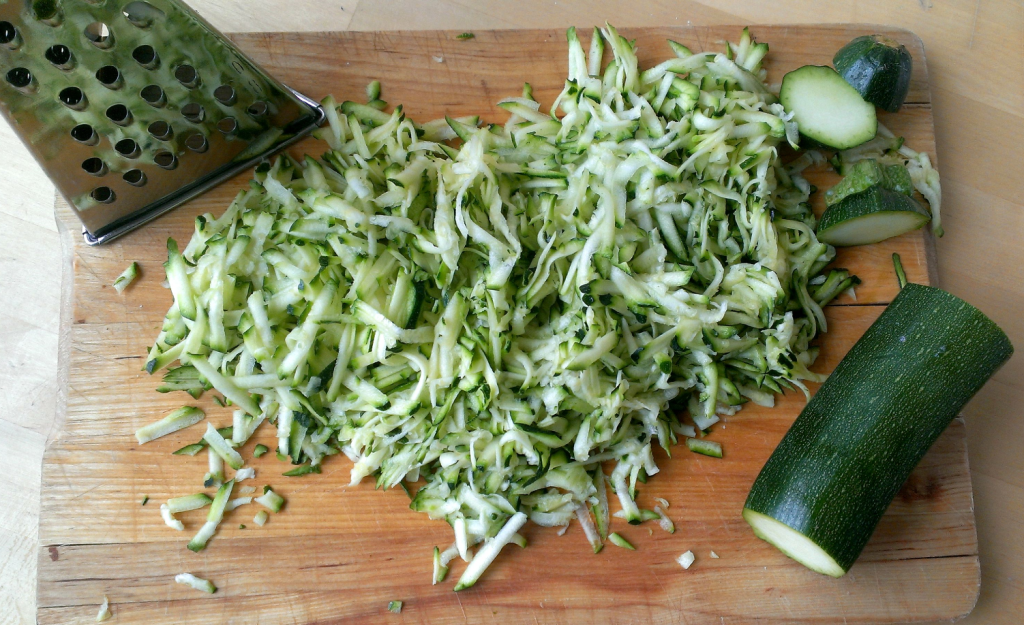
(499, 310)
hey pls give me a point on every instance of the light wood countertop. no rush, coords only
(975, 56)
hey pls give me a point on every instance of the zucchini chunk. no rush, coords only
(868, 173)
(826, 108)
(824, 489)
(878, 68)
(869, 217)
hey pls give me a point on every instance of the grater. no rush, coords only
(133, 108)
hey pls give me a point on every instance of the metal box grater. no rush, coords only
(133, 108)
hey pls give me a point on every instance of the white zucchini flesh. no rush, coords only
(792, 543)
(826, 108)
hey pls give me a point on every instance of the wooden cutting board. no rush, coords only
(339, 554)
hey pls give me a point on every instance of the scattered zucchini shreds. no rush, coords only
(261, 518)
(236, 502)
(589, 529)
(215, 473)
(222, 448)
(662, 502)
(901, 274)
(246, 473)
(665, 522)
(198, 583)
(704, 447)
(246, 490)
(486, 555)
(617, 540)
(104, 613)
(498, 316)
(440, 570)
(189, 450)
(465, 36)
(183, 378)
(223, 384)
(145, 499)
(259, 450)
(519, 540)
(177, 420)
(395, 607)
(126, 278)
(714, 555)
(305, 469)
(686, 559)
(241, 526)
(169, 520)
(600, 508)
(270, 500)
(213, 518)
(188, 502)
(643, 515)
(372, 91)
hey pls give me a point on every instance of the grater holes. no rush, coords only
(127, 148)
(146, 56)
(73, 98)
(84, 133)
(9, 36)
(165, 159)
(60, 56)
(21, 79)
(103, 195)
(154, 96)
(99, 35)
(197, 143)
(119, 114)
(141, 14)
(257, 109)
(225, 94)
(228, 125)
(135, 177)
(193, 112)
(187, 75)
(110, 77)
(161, 130)
(48, 12)
(94, 167)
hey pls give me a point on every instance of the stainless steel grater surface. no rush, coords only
(135, 107)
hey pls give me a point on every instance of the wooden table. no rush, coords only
(977, 80)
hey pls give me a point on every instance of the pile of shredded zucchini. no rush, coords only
(486, 315)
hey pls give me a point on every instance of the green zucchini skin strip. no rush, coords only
(856, 442)
(178, 420)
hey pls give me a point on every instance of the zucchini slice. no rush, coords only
(869, 217)
(824, 489)
(826, 108)
(878, 68)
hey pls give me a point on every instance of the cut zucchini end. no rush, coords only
(792, 543)
(872, 228)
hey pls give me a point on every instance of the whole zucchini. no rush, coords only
(878, 68)
(826, 486)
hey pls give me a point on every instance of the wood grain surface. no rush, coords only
(340, 553)
(975, 53)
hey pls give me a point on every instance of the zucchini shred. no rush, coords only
(485, 314)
